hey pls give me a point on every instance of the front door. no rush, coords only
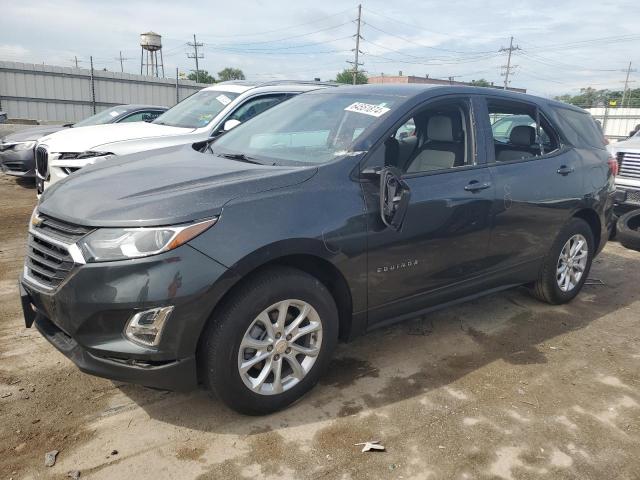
(444, 236)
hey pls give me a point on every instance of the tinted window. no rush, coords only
(145, 116)
(255, 106)
(580, 128)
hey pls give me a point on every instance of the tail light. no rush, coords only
(613, 166)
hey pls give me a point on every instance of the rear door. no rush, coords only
(538, 183)
(444, 237)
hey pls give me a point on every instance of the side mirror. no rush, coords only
(229, 124)
(394, 198)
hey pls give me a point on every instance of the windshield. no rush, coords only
(197, 110)
(308, 129)
(105, 116)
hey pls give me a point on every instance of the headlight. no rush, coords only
(24, 146)
(108, 244)
(92, 154)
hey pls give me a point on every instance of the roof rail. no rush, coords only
(277, 82)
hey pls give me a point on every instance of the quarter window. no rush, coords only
(516, 132)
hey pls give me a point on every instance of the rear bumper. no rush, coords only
(18, 163)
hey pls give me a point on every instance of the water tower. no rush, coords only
(151, 44)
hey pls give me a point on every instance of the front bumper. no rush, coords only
(85, 317)
(20, 163)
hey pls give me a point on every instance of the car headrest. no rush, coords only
(440, 129)
(523, 135)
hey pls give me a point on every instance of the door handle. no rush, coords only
(475, 186)
(565, 170)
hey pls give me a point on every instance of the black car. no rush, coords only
(240, 264)
(17, 150)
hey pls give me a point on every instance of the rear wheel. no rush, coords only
(567, 264)
(271, 341)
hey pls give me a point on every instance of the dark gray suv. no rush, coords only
(239, 265)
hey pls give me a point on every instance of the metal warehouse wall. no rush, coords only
(617, 122)
(63, 94)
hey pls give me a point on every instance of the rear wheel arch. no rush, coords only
(593, 220)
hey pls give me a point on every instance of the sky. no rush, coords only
(563, 44)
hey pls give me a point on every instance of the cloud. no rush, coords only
(306, 40)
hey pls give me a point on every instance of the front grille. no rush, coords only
(629, 164)
(48, 260)
(633, 196)
(41, 162)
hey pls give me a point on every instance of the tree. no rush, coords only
(590, 97)
(230, 74)
(346, 76)
(480, 83)
(202, 77)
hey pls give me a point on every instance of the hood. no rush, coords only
(161, 187)
(97, 137)
(632, 143)
(33, 133)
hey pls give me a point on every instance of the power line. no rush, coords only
(291, 36)
(408, 40)
(258, 34)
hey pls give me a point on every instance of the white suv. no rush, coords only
(199, 117)
(627, 153)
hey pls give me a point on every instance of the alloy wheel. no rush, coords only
(280, 347)
(572, 262)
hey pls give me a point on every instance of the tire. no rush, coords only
(547, 287)
(242, 320)
(628, 227)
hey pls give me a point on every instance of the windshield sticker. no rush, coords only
(223, 99)
(113, 113)
(367, 109)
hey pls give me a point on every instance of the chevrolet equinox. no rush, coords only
(239, 263)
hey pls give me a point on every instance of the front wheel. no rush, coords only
(566, 266)
(271, 341)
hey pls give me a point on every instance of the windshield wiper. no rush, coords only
(241, 157)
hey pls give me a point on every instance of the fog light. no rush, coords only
(146, 327)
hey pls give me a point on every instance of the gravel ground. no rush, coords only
(499, 388)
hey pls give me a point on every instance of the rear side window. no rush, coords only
(516, 132)
(580, 128)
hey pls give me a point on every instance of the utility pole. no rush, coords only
(357, 51)
(626, 85)
(122, 59)
(195, 55)
(75, 60)
(508, 67)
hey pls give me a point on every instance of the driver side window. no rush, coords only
(255, 106)
(433, 139)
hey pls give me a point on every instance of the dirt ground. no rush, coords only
(500, 388)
